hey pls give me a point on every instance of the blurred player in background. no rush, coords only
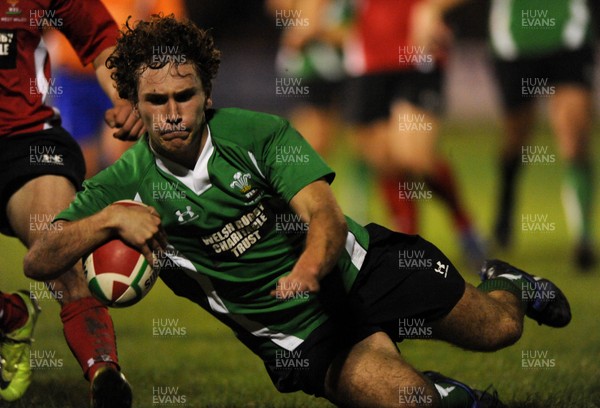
(82, 108)
(541, 50)
(394, 100)
(312, 37)
(41, 167)
(310, 59)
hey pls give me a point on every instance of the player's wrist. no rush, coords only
(110, 221)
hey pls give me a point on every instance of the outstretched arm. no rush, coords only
(327, 230)
(122, 115)
(55, 253)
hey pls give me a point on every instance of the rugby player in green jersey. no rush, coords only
(541, 50)
(260, 242)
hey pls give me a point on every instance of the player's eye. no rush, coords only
(185, 95)
(155, 99)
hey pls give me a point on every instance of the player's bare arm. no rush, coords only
(428, 29)
(55, 253)
(327, 229)
(121, 117)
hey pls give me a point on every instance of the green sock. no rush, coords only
(517, 285)
(577, 198)
(452, 396)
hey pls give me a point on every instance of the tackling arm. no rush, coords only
(122, 115)
(55, 253)
(325, 239)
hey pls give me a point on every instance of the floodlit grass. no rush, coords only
(200, 363)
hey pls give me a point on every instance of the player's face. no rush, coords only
(171, 104)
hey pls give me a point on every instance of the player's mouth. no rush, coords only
(174, 134)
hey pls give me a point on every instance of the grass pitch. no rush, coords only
(176, 355)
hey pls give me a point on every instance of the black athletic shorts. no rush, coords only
(368, 98)
(404, 284)
(322, 93)
(27, 156)
(525, 79)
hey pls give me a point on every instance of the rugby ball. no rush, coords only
(117, 274)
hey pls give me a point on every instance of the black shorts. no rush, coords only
(368, 98)
(405, 283)
(322, 93)
(527, 78)
(27, 156)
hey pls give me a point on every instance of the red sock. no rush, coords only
(443, 184)
(403, 210)
(13, 312)
(90, 334)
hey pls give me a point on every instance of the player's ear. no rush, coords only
(208, 103)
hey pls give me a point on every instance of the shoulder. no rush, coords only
(244, 127)
(130, 169)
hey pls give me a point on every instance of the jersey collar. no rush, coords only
(197, 179)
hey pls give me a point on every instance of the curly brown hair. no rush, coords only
(155, 43)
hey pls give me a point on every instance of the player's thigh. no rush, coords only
(32, 207)
(373, 374)
(371, 143)
(412, 137)
(482, 321)
(571, 119)
(30, 211)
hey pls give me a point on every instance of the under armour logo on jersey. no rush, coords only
(186, 216)
(241, 181)
(442, 269)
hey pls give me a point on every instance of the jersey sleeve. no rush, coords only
(94, 197)
(88, 26)
(292, 163)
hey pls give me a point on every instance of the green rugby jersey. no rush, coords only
(525, 28)
(229, 225)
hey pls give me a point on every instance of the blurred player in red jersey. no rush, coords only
(41, 168)
(394, 100)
